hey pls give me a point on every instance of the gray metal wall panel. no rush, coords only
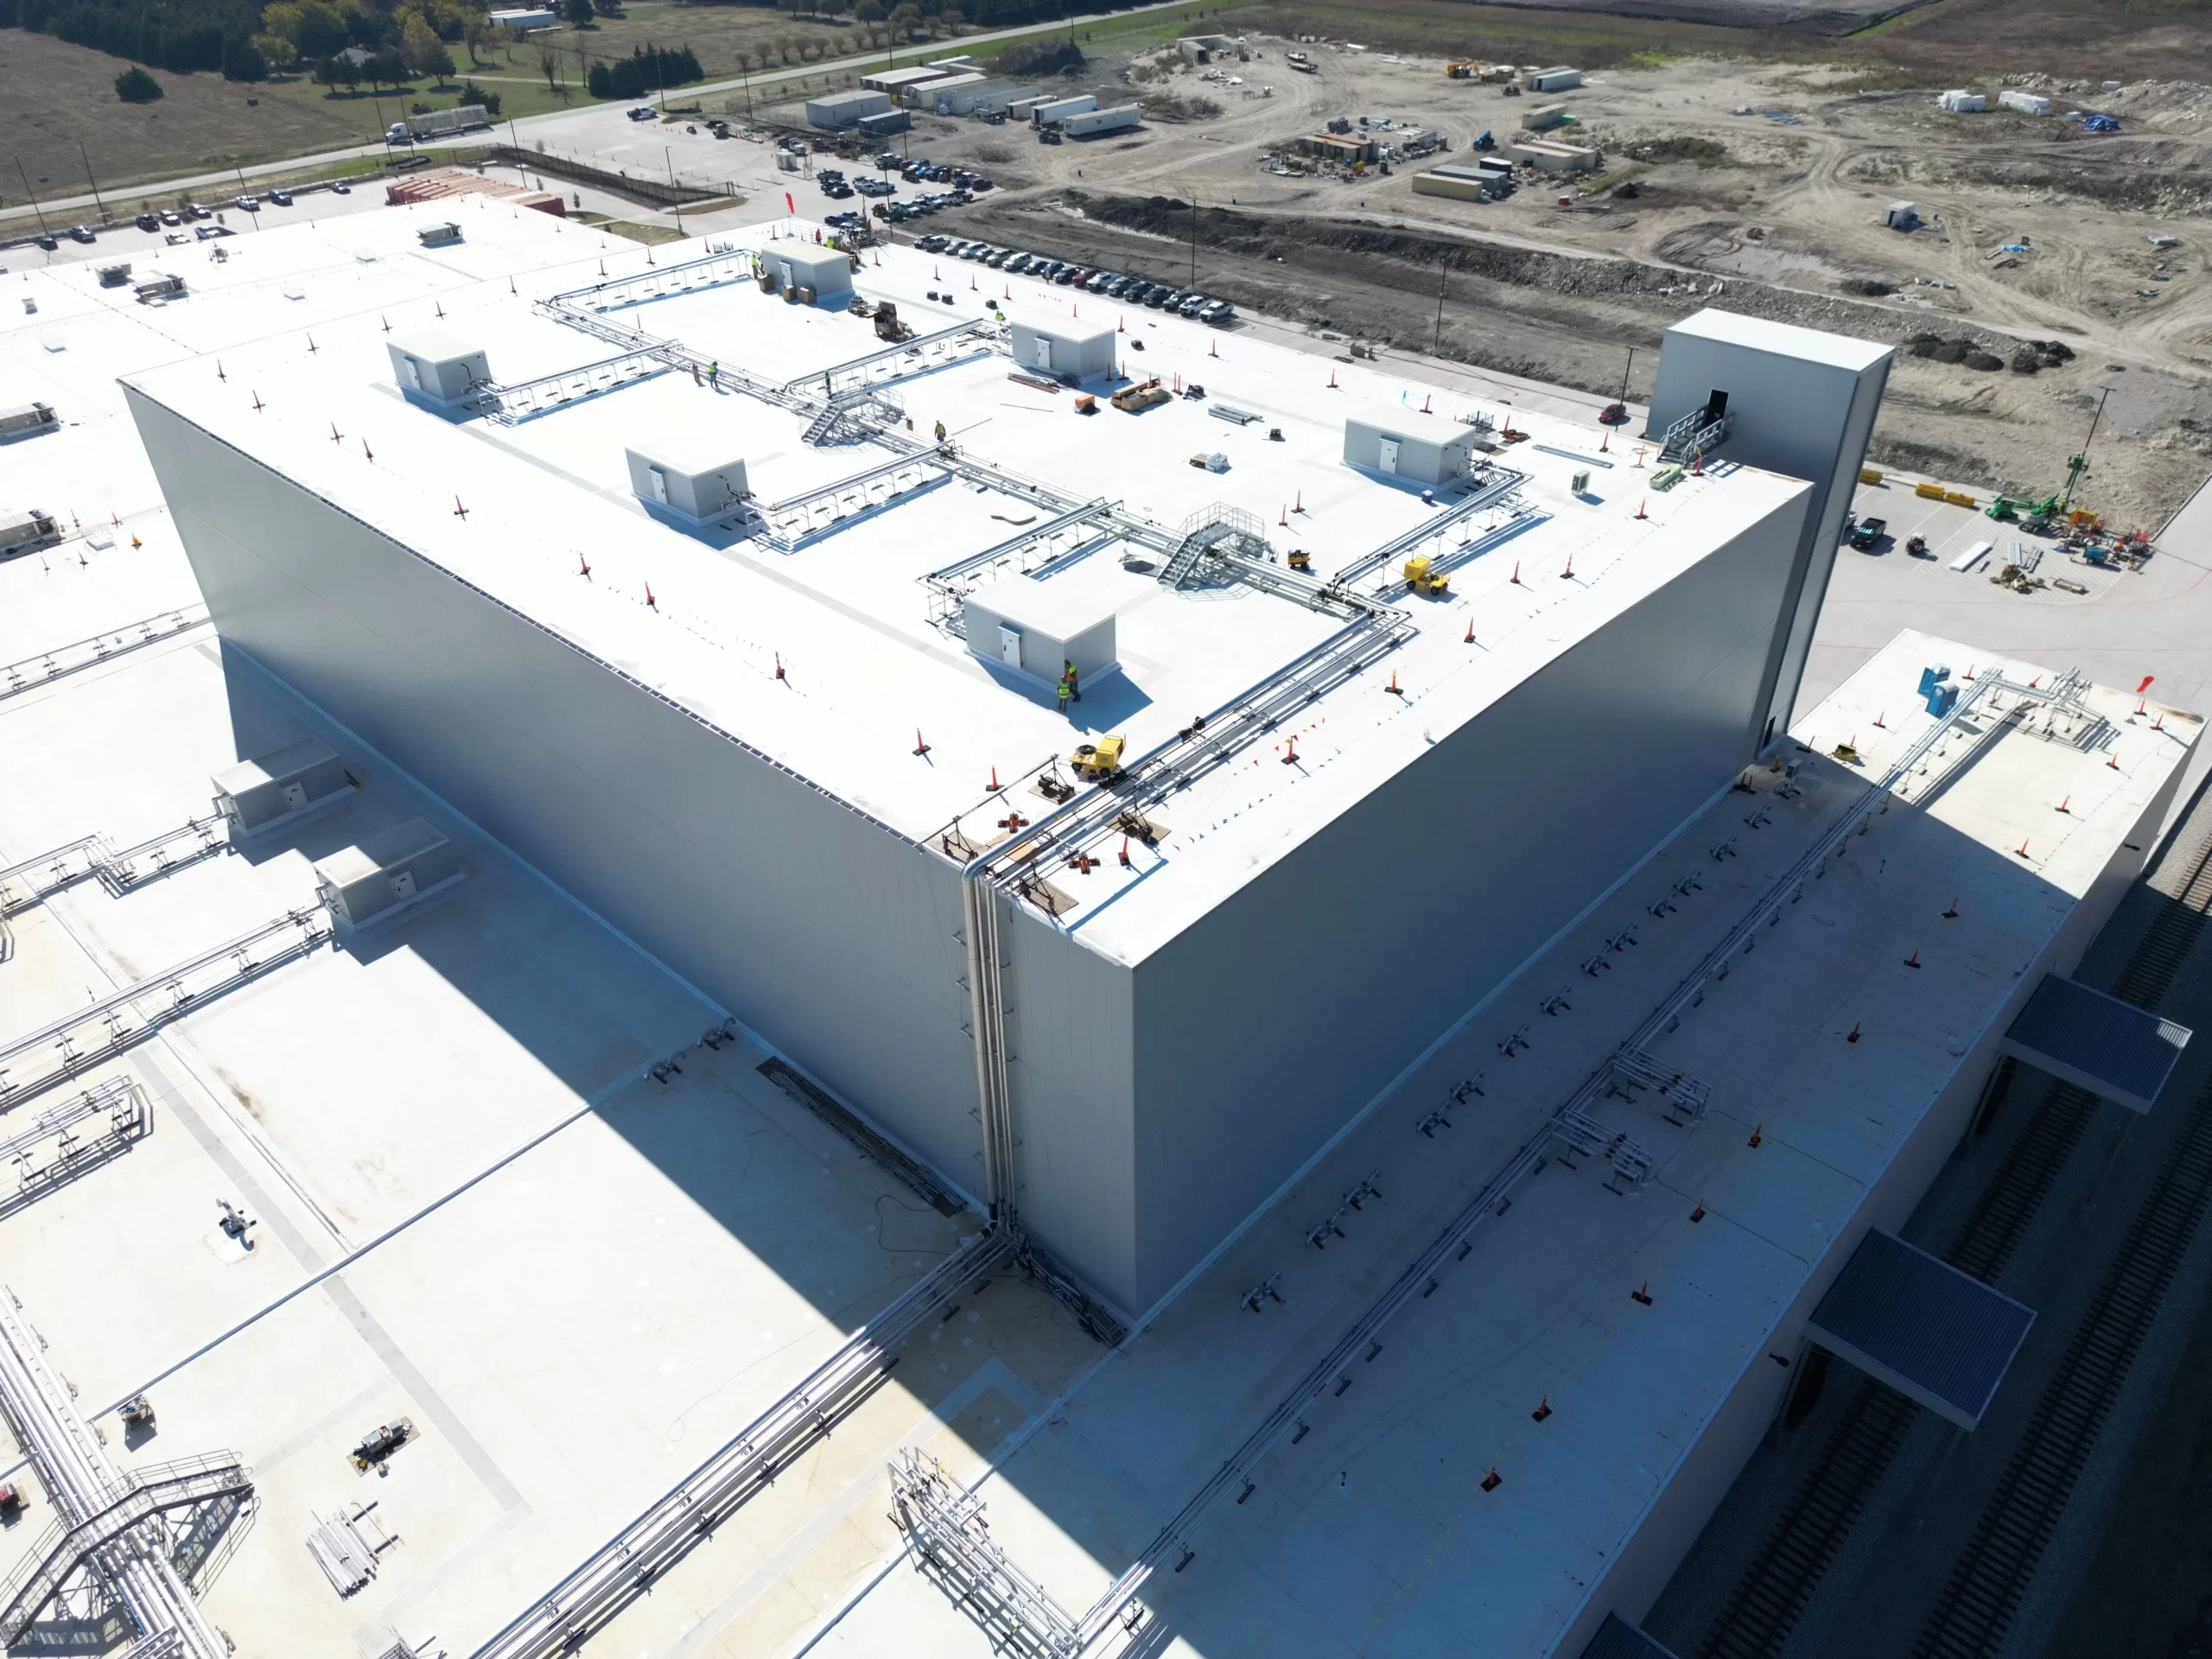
(1803, 420)
(1073, 1086)
(1827, 534)
(1268, 1024)
(834, 939)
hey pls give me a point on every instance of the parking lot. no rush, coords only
(1108, 284)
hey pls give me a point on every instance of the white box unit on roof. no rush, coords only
(437, 367)
(687, 479)
(1064, 350)
(1039, 629)
(1428, 449)
(405, 863)
(825, 271)
(275, 787)
(25, 418)
(21, 528)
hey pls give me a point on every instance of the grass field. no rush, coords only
(58, 96)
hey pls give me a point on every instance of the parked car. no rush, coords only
(247, 204)
(46, 242)
(339, 187)
(80, 233)
(194, 209)
(1868, 533)
(170, 216)
(930, 244)
(643, 112)
(148, 222)
(281, 198)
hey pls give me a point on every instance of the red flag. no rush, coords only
(789, 205)
(2146, 686)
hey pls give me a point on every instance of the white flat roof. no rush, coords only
(543, 492)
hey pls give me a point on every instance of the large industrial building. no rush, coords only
(794, 743)
(1318, 892)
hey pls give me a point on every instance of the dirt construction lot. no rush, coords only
(1759, 186)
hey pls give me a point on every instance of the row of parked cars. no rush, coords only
(935, 173)
(836, 186)
(1109, 285)
(178, 216)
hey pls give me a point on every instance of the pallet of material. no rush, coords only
(1230, 412)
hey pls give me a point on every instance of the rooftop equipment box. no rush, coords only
(1090, 123)
(1558, 79)
(26, 528)
(697, 486)
(1037, 628)
(437, 367)
(25, 418)
(258, 792)
(1077, 352)
(826, 270)
(359, 884)
(841, 109)
(1059, 109)
(1426, 450)
(1543, 117)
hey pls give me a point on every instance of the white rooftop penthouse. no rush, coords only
(1117, 1011)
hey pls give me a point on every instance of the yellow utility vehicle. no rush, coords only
(1100, 761)
(1423, 577)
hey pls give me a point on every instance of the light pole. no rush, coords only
(33, 196)
(95, 183)
(1443, 273)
